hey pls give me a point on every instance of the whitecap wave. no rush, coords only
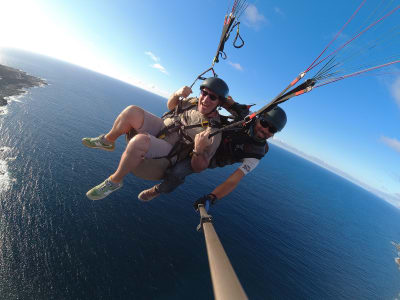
(4, 151)
(3, 110)
(397, 261)
(5, 178)
(16, 98)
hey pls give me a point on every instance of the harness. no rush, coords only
(184, 146)
(237, 145)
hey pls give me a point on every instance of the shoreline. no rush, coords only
(14, 82)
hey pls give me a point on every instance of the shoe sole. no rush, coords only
(99, 197)
(97, 147)
(94, 198)
(147, 200)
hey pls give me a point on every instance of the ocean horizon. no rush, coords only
(292, 229)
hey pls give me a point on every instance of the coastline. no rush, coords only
(392, 199)
(14, 82)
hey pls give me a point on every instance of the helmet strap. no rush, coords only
(215, 108)
(251, 132)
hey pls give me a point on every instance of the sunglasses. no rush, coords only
(265, 124)
(213, 97)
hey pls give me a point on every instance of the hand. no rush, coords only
(183, 92)
(210, 197)
(202, 142)
(228, 103)
(241, 110)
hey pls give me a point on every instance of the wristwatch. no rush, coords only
(196, 153)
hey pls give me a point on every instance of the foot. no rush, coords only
(148, 194)
(99, 142)
(103, 189)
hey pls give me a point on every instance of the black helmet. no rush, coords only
(276, 117)
(217, 85)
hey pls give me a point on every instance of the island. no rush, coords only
(15, 82)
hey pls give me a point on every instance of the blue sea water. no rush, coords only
(292, 229)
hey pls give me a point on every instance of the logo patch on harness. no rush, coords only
(246, 167)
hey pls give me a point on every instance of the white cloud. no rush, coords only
(253, 18)
(237, 66)
(152, 56)
(392, 143)
(160, 67)
(157, 65)
(395, 89)
(278, 11)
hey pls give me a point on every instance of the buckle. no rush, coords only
(205, 123)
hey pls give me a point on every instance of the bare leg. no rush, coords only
(130, 117)
(132, 156)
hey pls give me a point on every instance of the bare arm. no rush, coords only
(239, 111)
(228, 185)
(174, 98)
(222, 190)
(200, 159)
(228, 103)
(199, 162)
(201, 155)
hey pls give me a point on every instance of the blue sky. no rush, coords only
(353, 125)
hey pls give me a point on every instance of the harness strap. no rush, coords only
(186, 142)
(169, 129)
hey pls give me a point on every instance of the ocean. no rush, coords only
(292, 229)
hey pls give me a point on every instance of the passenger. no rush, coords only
(246, 146)
(185, 128)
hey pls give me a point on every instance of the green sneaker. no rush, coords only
(98, 142)
(103, 190)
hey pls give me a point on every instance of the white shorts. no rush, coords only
(152, 125)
